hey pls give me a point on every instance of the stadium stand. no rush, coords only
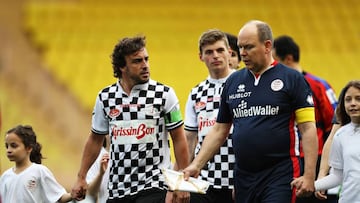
(78, 36)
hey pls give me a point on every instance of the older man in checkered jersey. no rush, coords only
(137, 113)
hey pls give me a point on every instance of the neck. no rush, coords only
(297, 67)
(126, 86)
(21, 166)
(220, 74)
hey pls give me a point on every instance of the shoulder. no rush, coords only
(158, 86)
(238, 75)
(344, 130)
(7, 173)
(109, 88)
(39, 168)
(200, 86)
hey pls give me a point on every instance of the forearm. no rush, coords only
(181, 150)
(90, 153)
(310, 148)
(192, 141)
(65, 198)
(333, 179)
(212, 142)
(324, 163)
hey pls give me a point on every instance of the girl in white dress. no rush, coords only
(344, 154)
(28, 181)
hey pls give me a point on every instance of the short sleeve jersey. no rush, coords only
(262, 109)
(201, 112)
(36, 184)
(344, 155)
(325, 103)
(138, 126)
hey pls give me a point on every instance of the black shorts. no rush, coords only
(213, 196)
(146, 196)
(271, 185)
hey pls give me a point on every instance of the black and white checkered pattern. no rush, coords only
(137, 165)
(219, 170)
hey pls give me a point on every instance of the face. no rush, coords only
(252, 51)
(352, 104)
(15, 148)
(137, 67)
(234, 60)
(216, 56)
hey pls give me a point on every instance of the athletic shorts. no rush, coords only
(145, 196)
(271, 185)
(213, 196)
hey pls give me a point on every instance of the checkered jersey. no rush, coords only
(138, 125)
(201, 112)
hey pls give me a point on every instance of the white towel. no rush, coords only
(175, 181)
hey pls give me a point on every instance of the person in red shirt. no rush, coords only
(286, 51)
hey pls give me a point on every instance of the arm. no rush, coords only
(305, 184)
(94, 186)
(324, 163)
(192, 139)
(90, 153)
(212, 142)
(180, 147)
(182, 160)
(65, 198)
(333, 179)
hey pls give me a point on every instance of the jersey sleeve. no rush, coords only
(52, 189)
(224, 114)
(100, 124)
(303, 100)
(173, 116)
(191, 123)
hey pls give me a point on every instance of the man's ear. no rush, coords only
(200, 57)
(268, 46)
(289, 58)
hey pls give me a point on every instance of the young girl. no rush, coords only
(344, 155)
(28, 181)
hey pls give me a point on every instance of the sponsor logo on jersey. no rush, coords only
(200, 105)
(135, 131)
(310, 100)
(240, 93)
(114, 113)
(206, 122)
(150, 111)
(277, 85)
(241, 88)
(31, 185)
(244, 111)
(139, 132)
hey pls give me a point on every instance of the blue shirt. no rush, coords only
(262, 110)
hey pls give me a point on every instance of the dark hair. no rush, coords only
(125, 47)
(28, 137)
(285, 45)
(232, 39)
(210, 37)
(341, 115)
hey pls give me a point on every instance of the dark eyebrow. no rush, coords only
(138, 60)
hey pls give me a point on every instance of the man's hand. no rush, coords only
(304, 186)
(78, 191)
(177, 197)
(191, 171)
